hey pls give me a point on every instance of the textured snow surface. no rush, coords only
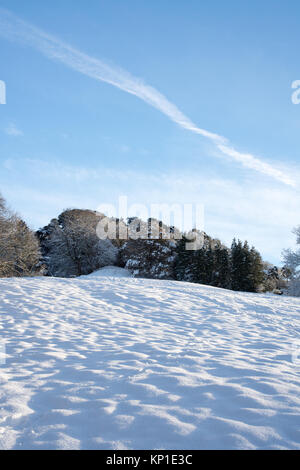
(121, 363)
(111, 271)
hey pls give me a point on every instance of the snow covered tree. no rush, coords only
(149, 258)
(149, 252)
(71, 246)
(275, 278)
(271, 277)
(292, 261)
(19, 248)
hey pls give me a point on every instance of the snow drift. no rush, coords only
(112, 362)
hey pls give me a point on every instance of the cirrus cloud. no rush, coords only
(15, 29)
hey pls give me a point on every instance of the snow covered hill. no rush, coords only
(112, 362)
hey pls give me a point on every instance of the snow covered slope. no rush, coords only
(110, 271)
(108, 362)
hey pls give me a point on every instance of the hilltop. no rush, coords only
(108, 361)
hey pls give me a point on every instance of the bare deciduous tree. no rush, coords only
(19, 247)
(292, 261)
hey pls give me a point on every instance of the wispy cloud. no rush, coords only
(246, 210)
(13, 28)
(12, 130)
(250, 161)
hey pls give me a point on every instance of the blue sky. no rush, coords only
(70, 140)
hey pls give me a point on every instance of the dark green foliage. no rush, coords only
(183, 262)
(208, 265)
(256, 271)
(240, 268)
(247, 271)
(149, 258)
(221, 267)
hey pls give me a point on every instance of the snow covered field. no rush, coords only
(111, 362)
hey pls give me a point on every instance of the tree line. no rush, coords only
(69, 246)
(19, 247)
